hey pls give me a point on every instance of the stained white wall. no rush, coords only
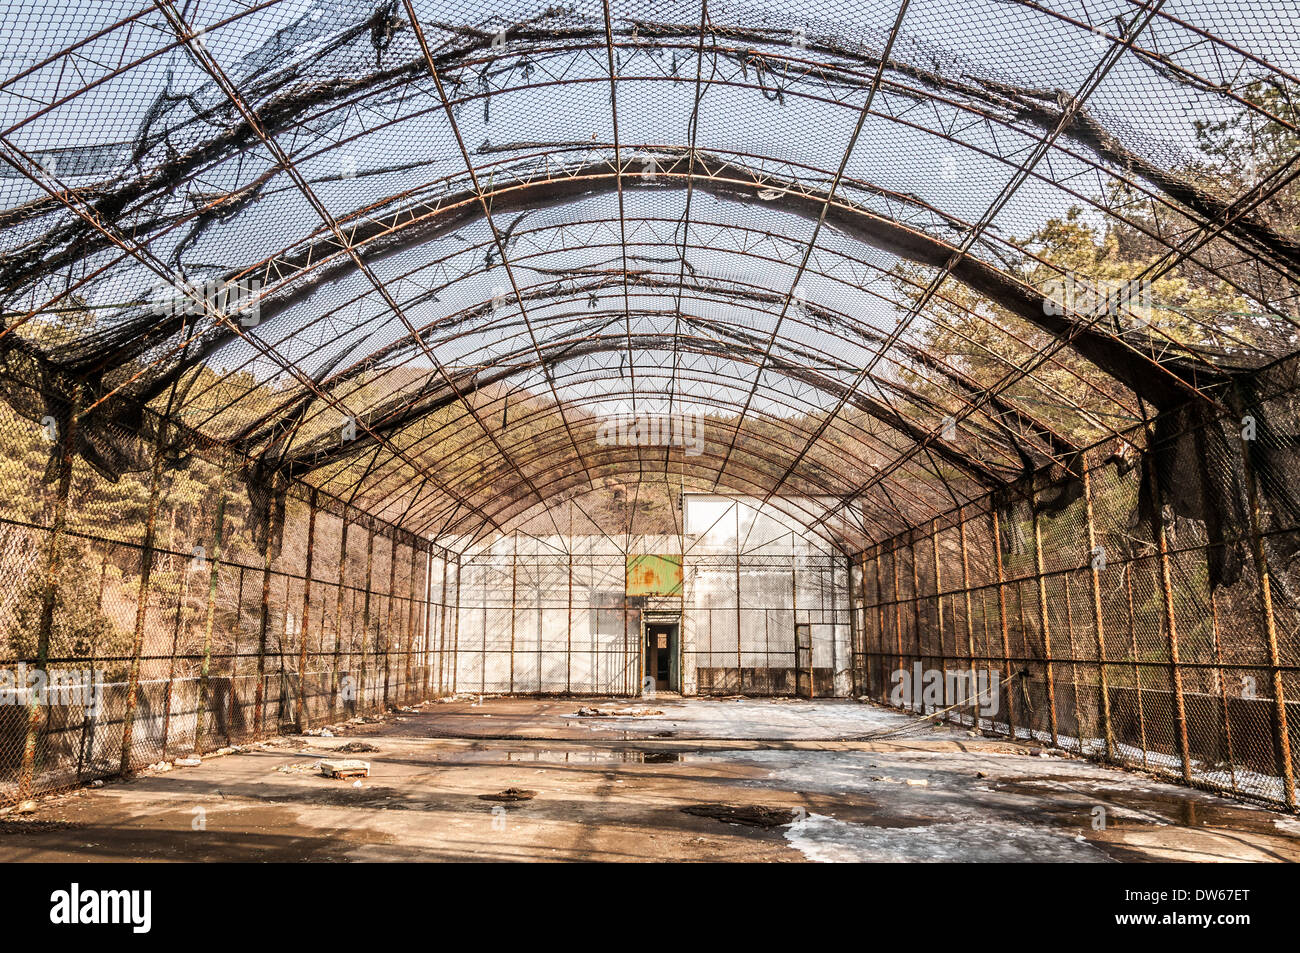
(547, 614)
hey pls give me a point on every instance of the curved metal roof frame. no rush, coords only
(804, 282)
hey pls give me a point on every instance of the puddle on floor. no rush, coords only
(1134, 807)
(569, 756)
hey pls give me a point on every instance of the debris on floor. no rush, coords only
(750, 815)
(590, 712)
(759, 781)
(509, 794)
(355, 747)
(345, 768)
(661, 757)
(300, 767)
(30, 825)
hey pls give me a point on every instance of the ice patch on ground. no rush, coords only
(1288, 824)
(827, 840)
(769, 719)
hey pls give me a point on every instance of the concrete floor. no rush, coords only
(618, 788)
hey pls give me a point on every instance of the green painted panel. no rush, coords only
(654, 575)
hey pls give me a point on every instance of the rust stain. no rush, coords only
(652, 575)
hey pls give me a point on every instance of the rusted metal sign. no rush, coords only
(651, 575)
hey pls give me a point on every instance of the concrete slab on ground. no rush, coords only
(708, 779)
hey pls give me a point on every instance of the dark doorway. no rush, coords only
(803, 686)
(661, 656)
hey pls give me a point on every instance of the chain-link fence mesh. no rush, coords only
(1145, 610)
(182, 609)
(556, 614)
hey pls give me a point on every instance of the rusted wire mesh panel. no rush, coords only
(1148, 610)
(372, 396)
(180, 618)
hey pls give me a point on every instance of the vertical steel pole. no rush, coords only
(218, 526)
(411, 614)
(880, 621)
(365, 614)
(426, 625)
(338, 614)
(387, 624)
(794, 615)
(301, 713)
(1098, 623)
(428, 633)
(918, 624)
(1171, 622)
(259, 703)
(234, 661)
(970, 611)
(1002, 622)
(282, 680)
(568, 648)
(853, 626)
(455, 629)
(859, 637)
(443, 663)
(1223, 688)
(1282, 738)
(740, 679)
(1137, 669)
(445, 620)
(938, 606)
(142, 602)
(1043, 613)
(1074, 658)
(640, 651)
(482, 657)
(36, 714)
(898, 606)
(426, 654)
(514, 590)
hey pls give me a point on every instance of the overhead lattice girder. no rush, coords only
(424, 222)
(541, 449)
(320, 452)
(470, 317)
(746, 479)
(988, 91)
(1118, 358)
(405, 409)
(293, 121)
(957, 383)
(798, 510)
(1026, 307)
(523, 419)
(851, 527)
